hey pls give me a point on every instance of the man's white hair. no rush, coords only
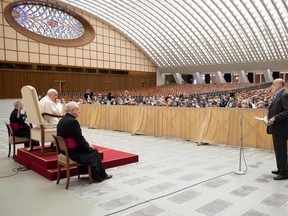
(71, 105)
(52, 91)
(281, 81)
(17, 102)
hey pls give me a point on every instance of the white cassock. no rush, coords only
(48, 106)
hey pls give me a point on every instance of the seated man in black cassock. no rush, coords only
(79, 149)
(17, 122)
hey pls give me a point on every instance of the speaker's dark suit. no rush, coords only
(279, 130)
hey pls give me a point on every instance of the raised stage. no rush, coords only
(47, 165)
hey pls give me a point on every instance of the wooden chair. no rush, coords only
(65, 161)
(14, 140)
(39, 132)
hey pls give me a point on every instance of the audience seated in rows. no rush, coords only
(186, 95)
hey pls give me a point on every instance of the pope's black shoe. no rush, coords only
(280, 177)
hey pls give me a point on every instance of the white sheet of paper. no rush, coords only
(265, 119)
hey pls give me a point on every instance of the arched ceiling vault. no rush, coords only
(200, 35)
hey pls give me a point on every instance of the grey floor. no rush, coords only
(173, 177)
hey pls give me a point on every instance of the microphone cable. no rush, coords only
(16, 171)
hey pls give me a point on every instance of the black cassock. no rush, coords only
(24, 130)
(69, 127)
(19, 118)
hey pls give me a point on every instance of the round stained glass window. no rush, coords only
(49, 23)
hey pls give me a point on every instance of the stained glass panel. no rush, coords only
(47, 21)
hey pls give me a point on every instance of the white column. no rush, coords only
(160, 78)
(219, 77)
(178, 78)
(197, 76)
(268, 76)
(242, 77)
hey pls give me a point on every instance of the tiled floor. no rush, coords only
(173, 177)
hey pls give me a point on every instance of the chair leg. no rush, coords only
(9, 149)
(90, 174)
(58, 173)
(42, 148)
(31, 145)
(14, 146)
(78, 173)
(68, 177)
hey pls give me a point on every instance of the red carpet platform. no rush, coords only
(47, 164)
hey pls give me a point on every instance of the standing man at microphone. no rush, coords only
(278, 127)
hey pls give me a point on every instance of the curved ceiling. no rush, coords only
(185, 33)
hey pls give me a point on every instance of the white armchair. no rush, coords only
(35, 118)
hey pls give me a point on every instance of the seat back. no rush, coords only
(14, 140)
(9, 130)
(62, 150)
(32, 107)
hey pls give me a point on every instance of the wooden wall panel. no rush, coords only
(11, 81)
(213, 125)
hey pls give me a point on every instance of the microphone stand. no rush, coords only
(239, 171)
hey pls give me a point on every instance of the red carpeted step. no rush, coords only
(34, 166)
(46, 161)
(47, 165)
(113, 158)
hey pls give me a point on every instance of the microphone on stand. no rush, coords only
(240, 171)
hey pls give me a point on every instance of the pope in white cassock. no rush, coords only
(50, 104)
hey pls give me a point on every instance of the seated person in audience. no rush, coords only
(261, 104)
(269, 102)
(51, 105)
(18, 124)
(245, 103)
(80, 101)
(88, 96)
(214, 104)
(232, 103)
(79, 149)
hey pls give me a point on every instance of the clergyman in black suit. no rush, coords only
(17, 121)
(18, 124)
(79, 149)
(278, 127)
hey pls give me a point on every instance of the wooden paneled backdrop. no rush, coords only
(11, 81)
